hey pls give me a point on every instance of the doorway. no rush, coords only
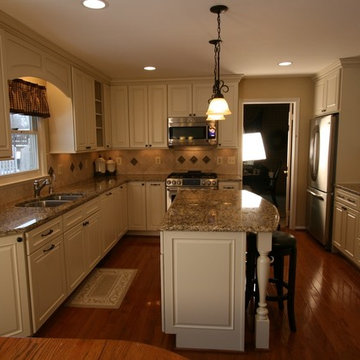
(270, 176)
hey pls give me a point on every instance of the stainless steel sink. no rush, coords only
(51, 200)
(43, 203)
(66, 197)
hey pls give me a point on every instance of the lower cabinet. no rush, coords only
(82, 242)
(14, 310)
(47, 280)
(346, 225)
(146, 205)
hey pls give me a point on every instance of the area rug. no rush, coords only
(103, 288)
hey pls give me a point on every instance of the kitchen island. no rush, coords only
(203, 247)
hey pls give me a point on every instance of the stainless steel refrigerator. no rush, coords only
(321, 177)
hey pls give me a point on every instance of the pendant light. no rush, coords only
(218, 107)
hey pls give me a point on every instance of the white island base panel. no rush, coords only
(203, 288)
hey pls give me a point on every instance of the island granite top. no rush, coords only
(220, 210)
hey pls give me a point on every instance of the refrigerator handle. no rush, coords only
(314, 160)
(315, 195)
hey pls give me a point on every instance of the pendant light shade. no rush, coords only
(218, 107)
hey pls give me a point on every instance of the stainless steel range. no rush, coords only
(190, 179)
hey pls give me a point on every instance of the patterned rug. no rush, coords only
(103, 288)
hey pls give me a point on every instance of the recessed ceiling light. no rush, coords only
(95, 4)
(285, 63)
(150, 68)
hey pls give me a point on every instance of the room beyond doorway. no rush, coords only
(268, 177)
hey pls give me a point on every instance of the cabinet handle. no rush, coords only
(154, 184)
(88, 147)
(150, 145)
(351, 200)
(49, 249)
(146, 145)
(86, 223)
(19, 239)
(108, 194)
(323, 110)
(48, 233)
(344, 208)
(142, 184)
(341, 197)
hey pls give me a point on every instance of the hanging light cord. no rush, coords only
(219, 85)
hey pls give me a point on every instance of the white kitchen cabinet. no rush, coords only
(5, 135)
(137, 205)
(107, 116)
(84, 110)
(327, 93)
(122, 206)
(147, 116)
(229, 185)
(346, 224)
(47, 280)
(155, 204)
(188, 99)
(82, 242)
(14, 301)
(146, 205)
(228, 129)
(119, 117)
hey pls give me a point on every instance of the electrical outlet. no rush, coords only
(219, 160)
(118, 160)
(231, 160)
(157, 160)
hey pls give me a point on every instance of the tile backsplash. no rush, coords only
(72, 168)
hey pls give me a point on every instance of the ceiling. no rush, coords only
(173, 35)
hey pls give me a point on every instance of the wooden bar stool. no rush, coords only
(283, 244)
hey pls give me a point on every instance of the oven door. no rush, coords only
(170, 196)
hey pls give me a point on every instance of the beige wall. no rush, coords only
(288, 88)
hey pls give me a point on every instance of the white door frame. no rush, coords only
(295, 146)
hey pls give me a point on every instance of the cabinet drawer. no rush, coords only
(42, 234)
(91, 207)
(73, 217)
(348, 199)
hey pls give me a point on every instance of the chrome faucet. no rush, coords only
(39, 185)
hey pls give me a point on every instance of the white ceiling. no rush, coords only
(173, 35)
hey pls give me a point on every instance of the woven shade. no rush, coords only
(28, 98)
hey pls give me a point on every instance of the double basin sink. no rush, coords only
(51, 200)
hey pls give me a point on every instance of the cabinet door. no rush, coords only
(107, 116)
(179, 100)
(155, 204)
(92, 240)
(84, 111)
(123, 212)
(136, 206)
(200, 98)
(157, 95)
(228, 129)
(5, 136)
(138, 116)
(109, 218)
(338, 233)
(47, 280)
(14, 300)
(332, 92)
(319, 106)
(350, 232)
(75, 256)
(119, 117)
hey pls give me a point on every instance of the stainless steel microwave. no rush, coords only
(191, 131)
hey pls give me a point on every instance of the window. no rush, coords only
(25, 162)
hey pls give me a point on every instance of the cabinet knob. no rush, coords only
(19, 239)
(88, 147)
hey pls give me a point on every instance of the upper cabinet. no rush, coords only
(5, 136)
(148, 116)
(139, 116)
(107, 116)
(327, 93)
(84, 110)
(228, 129)
(188, 99)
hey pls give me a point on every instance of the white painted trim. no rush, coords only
(295, 142)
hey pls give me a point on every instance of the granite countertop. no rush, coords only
(353, 188)
(16, 220)
(221, 210)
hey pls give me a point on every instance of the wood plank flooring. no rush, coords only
(327, 307)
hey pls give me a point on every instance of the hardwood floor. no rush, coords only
(327, 306)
